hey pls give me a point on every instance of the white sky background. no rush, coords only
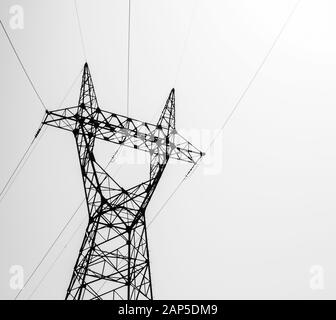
(254, 228)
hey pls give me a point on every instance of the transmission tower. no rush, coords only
(113, 261)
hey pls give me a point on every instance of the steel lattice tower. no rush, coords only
(113, 261)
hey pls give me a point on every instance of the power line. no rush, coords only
(196, 165)
(186, 41)
(17, 169)
(256, 73)
(22, 66)
(3, 191)
(80, 30)
(171, 195)
(19, 166)
(128, 53)
(59, 235)
(29, 151)
(47, 252)
(58, 256)
(71, 87)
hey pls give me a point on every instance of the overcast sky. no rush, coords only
(259, 212)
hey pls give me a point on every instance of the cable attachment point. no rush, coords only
(38, 132)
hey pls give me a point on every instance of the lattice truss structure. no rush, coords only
(113, 261)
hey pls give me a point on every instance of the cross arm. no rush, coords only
(123, 130)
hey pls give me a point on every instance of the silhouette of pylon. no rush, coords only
(113, 261)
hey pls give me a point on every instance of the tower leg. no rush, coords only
(113, 262)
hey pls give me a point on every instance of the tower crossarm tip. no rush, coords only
(61, 118)
(185, 151)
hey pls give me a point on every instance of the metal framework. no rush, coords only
(113, 261)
